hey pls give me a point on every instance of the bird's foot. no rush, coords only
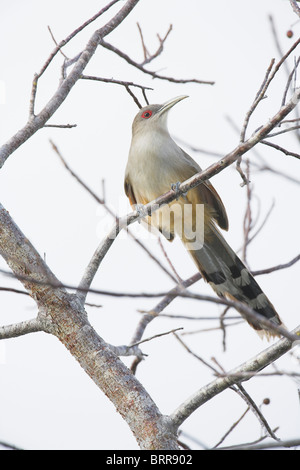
(140, 208)
(175, 187)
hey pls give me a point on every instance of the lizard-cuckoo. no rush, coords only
(155, 163)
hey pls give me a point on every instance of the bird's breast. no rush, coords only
(149, 166)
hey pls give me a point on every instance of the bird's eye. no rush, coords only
(147, 114)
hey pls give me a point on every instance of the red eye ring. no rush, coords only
(147, 114)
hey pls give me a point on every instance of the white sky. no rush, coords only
(47, 400)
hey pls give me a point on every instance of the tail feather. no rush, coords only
(230, 278)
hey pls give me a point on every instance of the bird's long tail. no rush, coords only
(229, 277)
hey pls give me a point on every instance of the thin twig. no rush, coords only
(150, 57)
(247, 225)
(74, 33)
(267, 445)
(277, 42)
(115, 82)
(216, 328)
(145, 50)
(257, 412)
(259, 96)
(61, 126)
(295, 7)
(180, 340)
(171, 295)
(133, 97)
(283, 131)
(15, 291)
(55, 42)
(232, 427)
(258, 230)
(155, 336)
(179, 279)
(280, 149)
(277, 268)
(270, 74)
(291, 75)
(153, 74)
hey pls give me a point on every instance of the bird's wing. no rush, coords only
(168, 234)
(129, 191)
(205, 193)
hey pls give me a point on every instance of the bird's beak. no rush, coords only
(169, 104)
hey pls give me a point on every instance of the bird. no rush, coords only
(155, 165)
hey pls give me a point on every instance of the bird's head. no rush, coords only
(154, 117)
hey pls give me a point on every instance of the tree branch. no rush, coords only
(277, 268)
(265, 85)
(280, 149)
(23, 328)
(295, 7)
(70, 324)
(148, 72)
(220, 384)
(36, 122)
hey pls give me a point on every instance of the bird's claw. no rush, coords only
(175, 187)
(140, 208)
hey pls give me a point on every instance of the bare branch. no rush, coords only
(115, 82)
(291, 75)
(61, 126)
(55, 42)
(133, 97)
(220, 384)
(123, 83)
(179, 339)
(153, 74)
(169, 297)
(247, 225)
(147, 56)
(255, 409)
(258, 230)
(145, 50)
(265, 85)
(168, 260)
(156, 336)
(178, 291)
(65, 41)
(231, 428)
(295, 7)
(259, 96)
(276, 268)
(283, 131)
(9, 446)
(71, 326)
(36, 122)
(15, 291)
(267, 445)
(23, 328)
(280, 149)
